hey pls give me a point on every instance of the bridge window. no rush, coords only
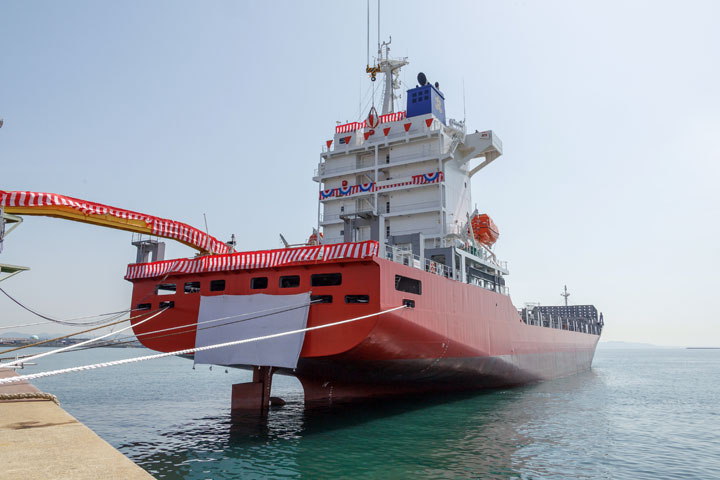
(326, 279)
(357, 299)
(192, 287)
(258, 283)
(165, 289)
(409, 285)
(290, 281)
(217, 285)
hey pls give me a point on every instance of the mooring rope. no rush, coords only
(8, 327)
(42, 342)
(194, 326)
(133, 338)
(69, 347)
(69, 322)
(186, 351)
(10, 397)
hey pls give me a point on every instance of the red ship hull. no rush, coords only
(457, 336)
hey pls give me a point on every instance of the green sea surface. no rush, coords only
(638, 414)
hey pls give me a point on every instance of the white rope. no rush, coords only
(94, 366)
(76, 345)
(280, 310)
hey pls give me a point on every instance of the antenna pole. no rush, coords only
(207, 232)
(463, 100)
(379, 52)
(368, 33)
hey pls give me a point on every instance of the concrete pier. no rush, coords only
(38, 439)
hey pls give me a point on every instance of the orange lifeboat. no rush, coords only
(485, 230)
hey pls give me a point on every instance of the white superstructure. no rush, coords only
(403, 179)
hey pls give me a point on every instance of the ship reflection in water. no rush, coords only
(490, 434)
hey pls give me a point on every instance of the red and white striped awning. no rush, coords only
(54, 205)
(253, 260)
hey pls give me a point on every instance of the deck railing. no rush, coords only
(485, 254)
(406, 257)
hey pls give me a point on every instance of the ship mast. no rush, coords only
(390, 67)
(565, 294)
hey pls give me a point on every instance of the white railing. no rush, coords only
(432, 154)
(324, 170)
(457, 125)
(485, 254)
(406, 257)
(395, 160)
(329, 217)
(488, 285)
(409, 231)
(424, 155)
(432, 205)
(365, 207)
(332, 240)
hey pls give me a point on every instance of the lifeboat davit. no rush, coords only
(485, 230)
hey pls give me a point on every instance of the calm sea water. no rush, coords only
(637, 414)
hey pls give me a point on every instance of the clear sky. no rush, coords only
(608, 111)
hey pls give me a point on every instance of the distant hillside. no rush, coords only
(45, 335)
(28, 335)
(616, 344)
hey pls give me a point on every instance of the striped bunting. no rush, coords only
(252, 260)
(352, 126)
(159, 226)
(422, 179)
